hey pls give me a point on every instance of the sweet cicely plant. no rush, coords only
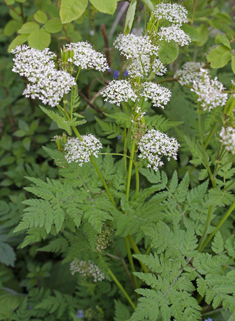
(116, 216)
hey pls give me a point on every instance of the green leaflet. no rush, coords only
(174, 270)
(72, 9)
(106, 6)
(130, 17)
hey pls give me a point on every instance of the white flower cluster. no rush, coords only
(158, 94)
(174, 13)
(228, 138)
(154, 144)
(86, 269)
(174, 33)
(190, 71)
(132, 46)
(209, 91)
(118, 91)
(46, 82)
(80, 151)
(159, 68)
(86, 57)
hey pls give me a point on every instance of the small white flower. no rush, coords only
(154, 145)
(174, 33)
(228, 138)
(174, 13)
(158, 94)
(80, 151)
(118, 91)
(86, 57)
(159, 68)
(86, 269)
(132, 46)
(190, 72)
(209, 91)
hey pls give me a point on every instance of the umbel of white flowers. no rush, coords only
(87, 269)
(121, 90)
(190, 71)
(209, 91)
(46, 82)
(80, 151)
(227, 138)
(154, 145)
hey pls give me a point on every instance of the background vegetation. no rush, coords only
(35, 283)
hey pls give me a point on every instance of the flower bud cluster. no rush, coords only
(80, 151)
(86, 269)
(227, 138)
(118, 91)
(209, 91)
(85, 56)
(45, 82)
(154, 145)
(102, 240)
(174, 13)
(190, 71)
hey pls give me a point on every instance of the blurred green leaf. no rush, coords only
(39, 39)
(233, 63)
(106, 6)
(203, 35)
(191, 31)
(53, 25)
(19, 40)
(72, 9)
(11, 27)
(40, 16)
(26, 143)
(28, 28)
(130, 17)
(168, 53)
(219, 57)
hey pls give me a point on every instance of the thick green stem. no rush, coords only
(121, 288)
(130, 260)
(137, 251)
(130, 170)
(218, 226)
(208, 220)
(137, 183)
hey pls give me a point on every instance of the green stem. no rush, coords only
(210, 135)
(130, 170)
(137, 251)
(130, 260)
(203, 151)
(218, 226)
(121, 288)
(137, 183)
(97, 169)
(208, 220)
(125, 147)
